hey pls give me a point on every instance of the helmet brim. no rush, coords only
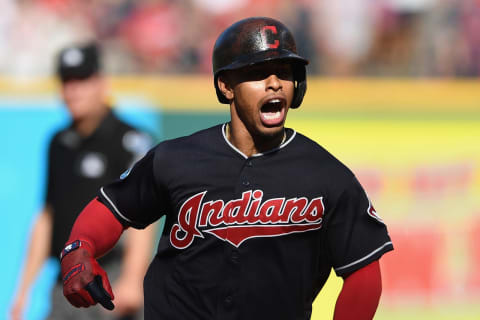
(263, 56)
(256, 58)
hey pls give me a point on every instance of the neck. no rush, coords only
(249, 144)
(87, 125)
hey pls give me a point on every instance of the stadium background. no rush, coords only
(400, 108)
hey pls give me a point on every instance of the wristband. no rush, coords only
(69, 248)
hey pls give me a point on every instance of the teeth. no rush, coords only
(274, 101)
(272, 115)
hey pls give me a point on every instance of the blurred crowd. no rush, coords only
(417, 38)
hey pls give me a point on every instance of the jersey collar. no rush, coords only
(290, 135)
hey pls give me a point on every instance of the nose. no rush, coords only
(273, 83)
(70, 86)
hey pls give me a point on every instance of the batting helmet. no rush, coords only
(255, 40)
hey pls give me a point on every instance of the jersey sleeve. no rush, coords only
(136, 199)
(356, 235)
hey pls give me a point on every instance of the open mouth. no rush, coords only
(272, 111)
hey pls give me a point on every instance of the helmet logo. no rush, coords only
(272, 30)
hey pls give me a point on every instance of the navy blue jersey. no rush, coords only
(245, 237)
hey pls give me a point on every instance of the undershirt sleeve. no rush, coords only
(136, 199)
(356, 235)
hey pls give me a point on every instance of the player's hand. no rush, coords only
(85, 283)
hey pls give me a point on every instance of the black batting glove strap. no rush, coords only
(99, 294)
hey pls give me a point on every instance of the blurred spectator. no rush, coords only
(153, 32)
(471, 30)
(449, 43)
(395, 44)
(8, 11)
(343, 37)
(219, 8)
(345, 29)
(440, 42)
(35, 35)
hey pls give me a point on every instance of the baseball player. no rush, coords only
(257, 214)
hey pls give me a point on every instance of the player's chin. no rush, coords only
(271, 132)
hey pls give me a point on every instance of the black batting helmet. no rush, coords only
(255, 40)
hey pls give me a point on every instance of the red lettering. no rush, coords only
(235, 210)
(210, 208)
(217, 217)
(277, 216)
(293, 209)
(270, 210)
(187, 222)
(314, 212)
(252, 215)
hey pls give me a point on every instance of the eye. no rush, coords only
(285, 73)
(262, 71)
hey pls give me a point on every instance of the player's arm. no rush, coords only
(94, 233)
(360, 294)
(133, 200)
(138, 253)
(37, 253)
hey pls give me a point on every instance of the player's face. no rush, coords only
(262, 95)
(84, 98)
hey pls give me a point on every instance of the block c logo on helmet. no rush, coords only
(272, 30)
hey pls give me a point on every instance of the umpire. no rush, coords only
(93, 149)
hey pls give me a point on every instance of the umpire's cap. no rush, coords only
(256, 40)
(78, 62)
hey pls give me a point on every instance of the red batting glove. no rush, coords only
(85, 283)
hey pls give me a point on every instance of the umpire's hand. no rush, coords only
(85, 283)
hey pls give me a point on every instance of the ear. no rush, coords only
(225, 88)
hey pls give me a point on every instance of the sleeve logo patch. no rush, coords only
(372, 212)
(125, 174)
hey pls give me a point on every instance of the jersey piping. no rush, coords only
(284, 144)
(114, 207)
(365, 257)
